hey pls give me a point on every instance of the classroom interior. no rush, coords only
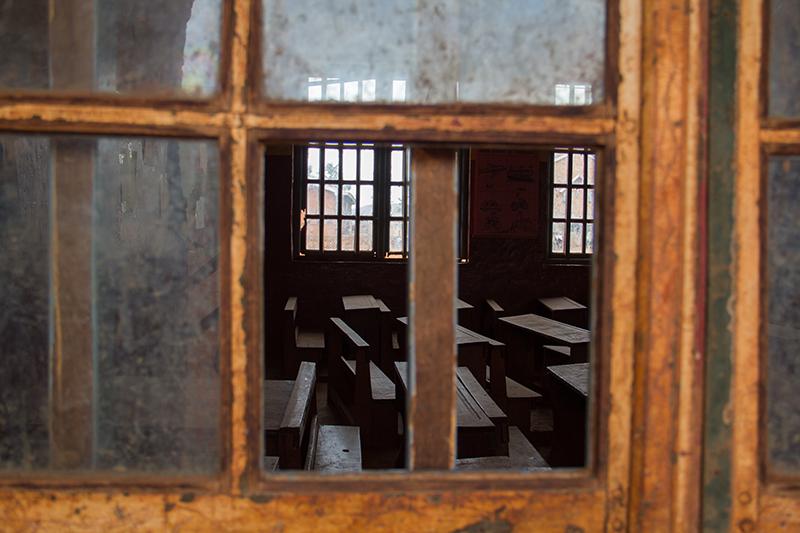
(336, 354)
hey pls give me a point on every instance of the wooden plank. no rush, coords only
(275, 398)
(485, 402)
(354, 337)
(71, 53)
(461, 304)
(382, 388)
(359, 302)
(576, 376)
(549, 328)
(338, 449)
(561, 303)
(432, 295)
(522, 456)
(299, 405)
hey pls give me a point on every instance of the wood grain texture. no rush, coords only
(431, 398)
(592, 500)
(666, 269)
(744, 400)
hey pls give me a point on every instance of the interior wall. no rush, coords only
(513, 271)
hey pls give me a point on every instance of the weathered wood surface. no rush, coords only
(549, 328)
(522, 456)
(359, 302)
(484, 501)
(561, 303)
(576, 376)
(338, 449)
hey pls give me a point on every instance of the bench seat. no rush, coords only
(334, 449)
(522, 456)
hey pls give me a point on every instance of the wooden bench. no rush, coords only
(482, 427)
(517, 400)
(522, 456)
(474, 409)
(334, 449)
(272, 463)
(390, 346)
(300, 344)
(569, 394)
(491, 312)
(289, 405)
(362, 312)
(359, 390)
(557, 355)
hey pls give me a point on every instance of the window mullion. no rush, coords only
(432, 387)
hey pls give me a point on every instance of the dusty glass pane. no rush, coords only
(395, 236)
(576, 204)
(313, 163)
(559, 202)
(577, 169)
(331, 205)
(365, 236)
(331, 235)
(575, 238)
(783, 315)
(24, 282)
(560, 165)
(396, 201)
(367, 165)
(312, 199)
(366, 200)
(348, 235)
(557, 245)
(125, 285)
(349, 164)
(348, 200)
(784, 58)
(332, 164)
(312, 234)
(141, 47)
(397, 166)
(507, 51)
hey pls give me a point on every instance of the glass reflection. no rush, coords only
(135, 47)
(109, 330)
(509, 51)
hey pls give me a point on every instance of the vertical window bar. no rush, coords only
(432, 293)
(339, 201)
(357, 237)
(568, 214)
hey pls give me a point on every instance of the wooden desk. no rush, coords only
(569, 392)
(564, 310)
(360, 301)
(482, 427)
(473, 349)
(527, 363)
(363, 314)
(466, 313)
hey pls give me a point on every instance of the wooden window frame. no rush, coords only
(625, 477)
(758, 498)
